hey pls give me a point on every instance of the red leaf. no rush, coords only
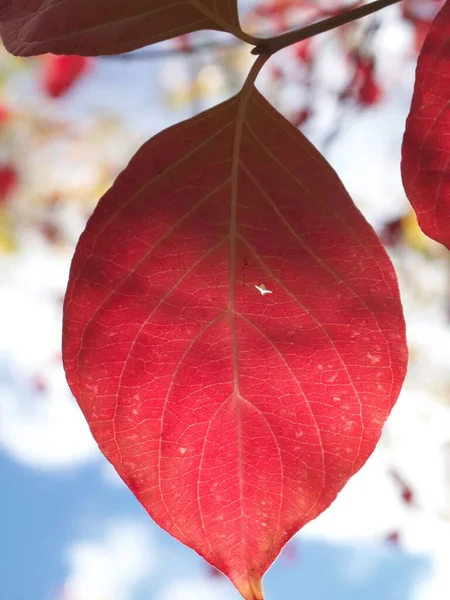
(426, 143)
(62, 72)
(420, 13)
(303, 51)
(213, 573)
(276, 73)
(392, 233)
(301, 116)
(233, 333)
(363, 85)
(91, 28)
(369, 92)
(39, 384)
(5, 114)
(290, 553)
(393, 538)
(406, 492)
(8, 182)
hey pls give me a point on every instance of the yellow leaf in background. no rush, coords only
(8, 242)
(179, 97)
(210, 81)
(415, 237)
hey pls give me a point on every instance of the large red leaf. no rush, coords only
(93, 27)
(235, 415)
(426, 144)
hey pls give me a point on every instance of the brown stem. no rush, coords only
(272, 45)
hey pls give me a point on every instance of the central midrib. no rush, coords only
(235, 163)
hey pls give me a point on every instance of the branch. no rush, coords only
(279, 42)
(269, 46)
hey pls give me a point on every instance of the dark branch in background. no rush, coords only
(172, 52)
(279, 42)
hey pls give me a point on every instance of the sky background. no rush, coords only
(70, 529)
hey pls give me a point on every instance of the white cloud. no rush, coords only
(110, 567)
(110, 476)
(367, 508)
(32, 285)
(415, 444)
(361, 562)
(431, 534)
(45, 431)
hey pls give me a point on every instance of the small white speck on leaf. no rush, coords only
(374, 359)
(182, 451)
(262, 288)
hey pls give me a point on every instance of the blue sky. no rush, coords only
(43, 514)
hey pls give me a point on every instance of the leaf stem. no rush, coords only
(272, 45)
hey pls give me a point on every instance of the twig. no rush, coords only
(279, 42)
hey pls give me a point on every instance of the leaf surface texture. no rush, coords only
(95, 27)
(233, 333)
(426, 143)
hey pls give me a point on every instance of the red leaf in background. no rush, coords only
(426, 143)
(183, 43)
(4, 114)
(233, 333)
(393, 538)
(213, 573)
(91, 28)
(420, 13)
(8, 182)
(392, 233)
(421, 29)
(275, 10)
(303, 51)
(290, 552)
(407, 496)
(39, 384)
(301, 116)
(363, 85)
(406, 493)
(62, 72)
(276, 73)
(369, 92)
